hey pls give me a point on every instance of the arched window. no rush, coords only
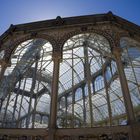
(26, 83)
(82, 62)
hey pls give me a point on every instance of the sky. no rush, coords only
(24, 11)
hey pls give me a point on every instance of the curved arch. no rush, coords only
(69, 35)
(10, 50)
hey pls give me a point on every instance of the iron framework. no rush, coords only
(75, 78)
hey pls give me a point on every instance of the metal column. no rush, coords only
(54, 96)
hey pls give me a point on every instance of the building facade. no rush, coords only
(75, 78)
